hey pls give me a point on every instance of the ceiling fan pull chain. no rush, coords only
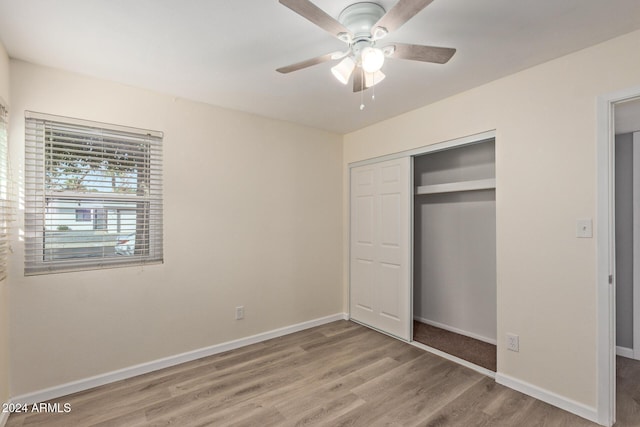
(373, 88)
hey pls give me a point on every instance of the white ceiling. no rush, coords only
(224, 52)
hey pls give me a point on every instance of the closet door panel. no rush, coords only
(362, 271)
(380, 289)
(390, 291)
(362, 213)
(362, 241)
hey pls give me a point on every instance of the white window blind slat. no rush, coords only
(93, 195)
(6, 211)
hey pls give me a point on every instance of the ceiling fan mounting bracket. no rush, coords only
(359, 18)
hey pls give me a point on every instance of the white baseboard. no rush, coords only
(4, 417)
(455, 330)
(132, 371)
(624, 352)
(579, 409)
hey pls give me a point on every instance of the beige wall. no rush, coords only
(4, 285)
(545, 119)
(252, 217)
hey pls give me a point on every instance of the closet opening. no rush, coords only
(454, 253)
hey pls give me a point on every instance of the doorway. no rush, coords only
(618, 236)
(627, 259)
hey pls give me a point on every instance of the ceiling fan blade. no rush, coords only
(313, 13)
(415, 52)
(400, 13)
(307, 63)
(358, 80)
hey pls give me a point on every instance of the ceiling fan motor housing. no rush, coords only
(359, 18)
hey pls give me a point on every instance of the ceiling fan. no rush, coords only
(361, 26)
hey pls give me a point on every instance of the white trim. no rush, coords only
(143, 368)
(584, 411)
(4, 416)
(465, 363)
(458, 142)
(456, 330)
(91, 123)
(412, 235)
(605, 376)
(451, 187)
(605, 247)
(624, 352)
(636, 246)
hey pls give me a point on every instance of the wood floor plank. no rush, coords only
(490, 404)
(338, 374)
(412, 383)
(429, 396)
(265, 364)
(326, 413)
(182, 409)
(628, 389)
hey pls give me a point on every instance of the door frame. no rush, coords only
(636, 245)
(605, 249)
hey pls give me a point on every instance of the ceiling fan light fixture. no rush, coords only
(372, 59)
(379, 33)
(343, 70)
(389, 50)
(372, 79)
(345, 37)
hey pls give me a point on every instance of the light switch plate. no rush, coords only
(584, 228)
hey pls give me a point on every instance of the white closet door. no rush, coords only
(380, 282)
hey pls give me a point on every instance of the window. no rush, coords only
(5, 204)
(93, 195)
(83, 215)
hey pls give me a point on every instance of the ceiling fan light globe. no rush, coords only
(342, 71)
(372, 59)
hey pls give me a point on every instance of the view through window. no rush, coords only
(94, 195)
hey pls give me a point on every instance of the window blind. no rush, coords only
(93, 195)
(5, 199)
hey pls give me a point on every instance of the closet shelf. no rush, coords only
(451, 187)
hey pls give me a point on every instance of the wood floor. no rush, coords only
(339, 374)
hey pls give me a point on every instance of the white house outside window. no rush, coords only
(93, 195)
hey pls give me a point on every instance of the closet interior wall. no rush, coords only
(624, 241)
(455, 240)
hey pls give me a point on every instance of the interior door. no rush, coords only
(380, 246)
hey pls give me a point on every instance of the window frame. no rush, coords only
(43, 196)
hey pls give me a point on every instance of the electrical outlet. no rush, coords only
(513, 342)
(240, 312)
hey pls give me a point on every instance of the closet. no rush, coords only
(422, 244)
(454, 254)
